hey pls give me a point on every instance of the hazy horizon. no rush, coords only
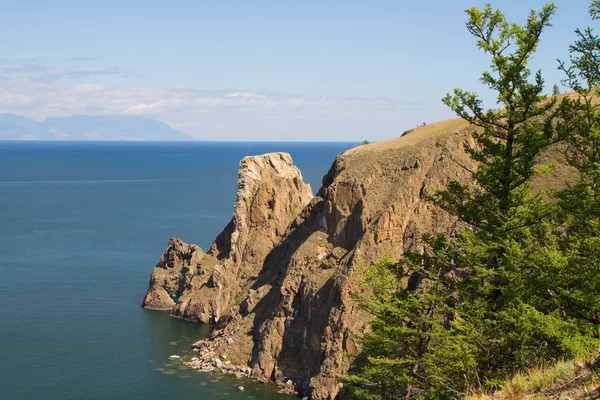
(340, 71)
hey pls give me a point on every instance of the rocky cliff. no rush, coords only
(200, 286)
(293, 320)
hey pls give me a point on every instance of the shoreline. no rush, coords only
(207, 360)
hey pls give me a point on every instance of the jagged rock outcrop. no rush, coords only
(296, 320)
(172, 275)
(200, 287)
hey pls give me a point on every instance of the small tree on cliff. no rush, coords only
(555, 90)
(410, 352)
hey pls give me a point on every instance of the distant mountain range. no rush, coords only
(87, 127)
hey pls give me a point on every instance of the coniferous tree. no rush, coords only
(413, 351)
(555, 90)
(579, 289)
(491, 297)
(511, 249)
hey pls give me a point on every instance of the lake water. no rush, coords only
(81, 227)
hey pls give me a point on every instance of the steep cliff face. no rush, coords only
(297, 321)
(294, 321)
(200, 287)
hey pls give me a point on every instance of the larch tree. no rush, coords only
(485, 304)
(579, 126)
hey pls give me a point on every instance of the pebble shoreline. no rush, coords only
(207, 360)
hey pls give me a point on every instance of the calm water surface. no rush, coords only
(81, 226)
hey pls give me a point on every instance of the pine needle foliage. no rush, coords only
(411, 352)
(517, 286)
(579, 292)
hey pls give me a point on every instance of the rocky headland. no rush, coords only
(201, 287)
(278, 280)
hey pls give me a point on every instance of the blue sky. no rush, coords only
(256, 70)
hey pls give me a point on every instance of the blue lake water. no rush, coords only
(81, 227)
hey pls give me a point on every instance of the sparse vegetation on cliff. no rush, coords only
(517, 286)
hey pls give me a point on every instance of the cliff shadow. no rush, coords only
(306, 309)
(221, 247)
(303, 352)
(352, 230)
(277, 261)
(275, 269)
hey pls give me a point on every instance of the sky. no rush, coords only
(257, 70)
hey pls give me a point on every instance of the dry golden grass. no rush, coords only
(435, 130)
(564, 380)
(563, 174)
(416, 136)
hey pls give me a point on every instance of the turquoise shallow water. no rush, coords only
(81, 226)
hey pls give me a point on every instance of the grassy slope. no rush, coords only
(572, 379)
(417, 135)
